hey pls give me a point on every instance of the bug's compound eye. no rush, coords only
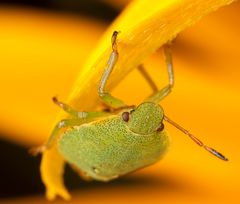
(125, 116)
(160, 128)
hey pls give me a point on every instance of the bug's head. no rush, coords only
(145, 119)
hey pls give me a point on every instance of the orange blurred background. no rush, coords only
(42, 49)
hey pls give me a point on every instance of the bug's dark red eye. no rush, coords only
(125, 116)
(161, 127)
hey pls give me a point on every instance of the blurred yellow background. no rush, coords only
(41, 53)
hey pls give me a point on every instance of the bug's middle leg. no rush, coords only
(107, 98)
(148, 78)
(79, 114)
(162, 93)
(58, 127)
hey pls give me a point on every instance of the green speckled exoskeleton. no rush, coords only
(107, 144)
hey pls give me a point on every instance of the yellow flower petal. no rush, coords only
(41, 53)
(52, 169)
(145, 26)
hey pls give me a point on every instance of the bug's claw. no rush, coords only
(58, 103)
(55, 100)
(37, 150)
(114, 39)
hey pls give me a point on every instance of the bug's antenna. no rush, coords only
(196, 140)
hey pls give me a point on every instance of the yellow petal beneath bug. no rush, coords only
(53, 179)
(145, 26)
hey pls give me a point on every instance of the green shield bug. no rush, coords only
(104, 145)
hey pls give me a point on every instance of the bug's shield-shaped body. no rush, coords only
(107, 148)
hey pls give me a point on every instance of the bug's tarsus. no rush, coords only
(57, 102)
(196, 140)
(114, 41)
(64, 106)
(54, 99)
(37, 150)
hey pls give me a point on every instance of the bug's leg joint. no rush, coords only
(61, 124)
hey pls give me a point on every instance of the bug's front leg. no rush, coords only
(107, 98)
(159, 95)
